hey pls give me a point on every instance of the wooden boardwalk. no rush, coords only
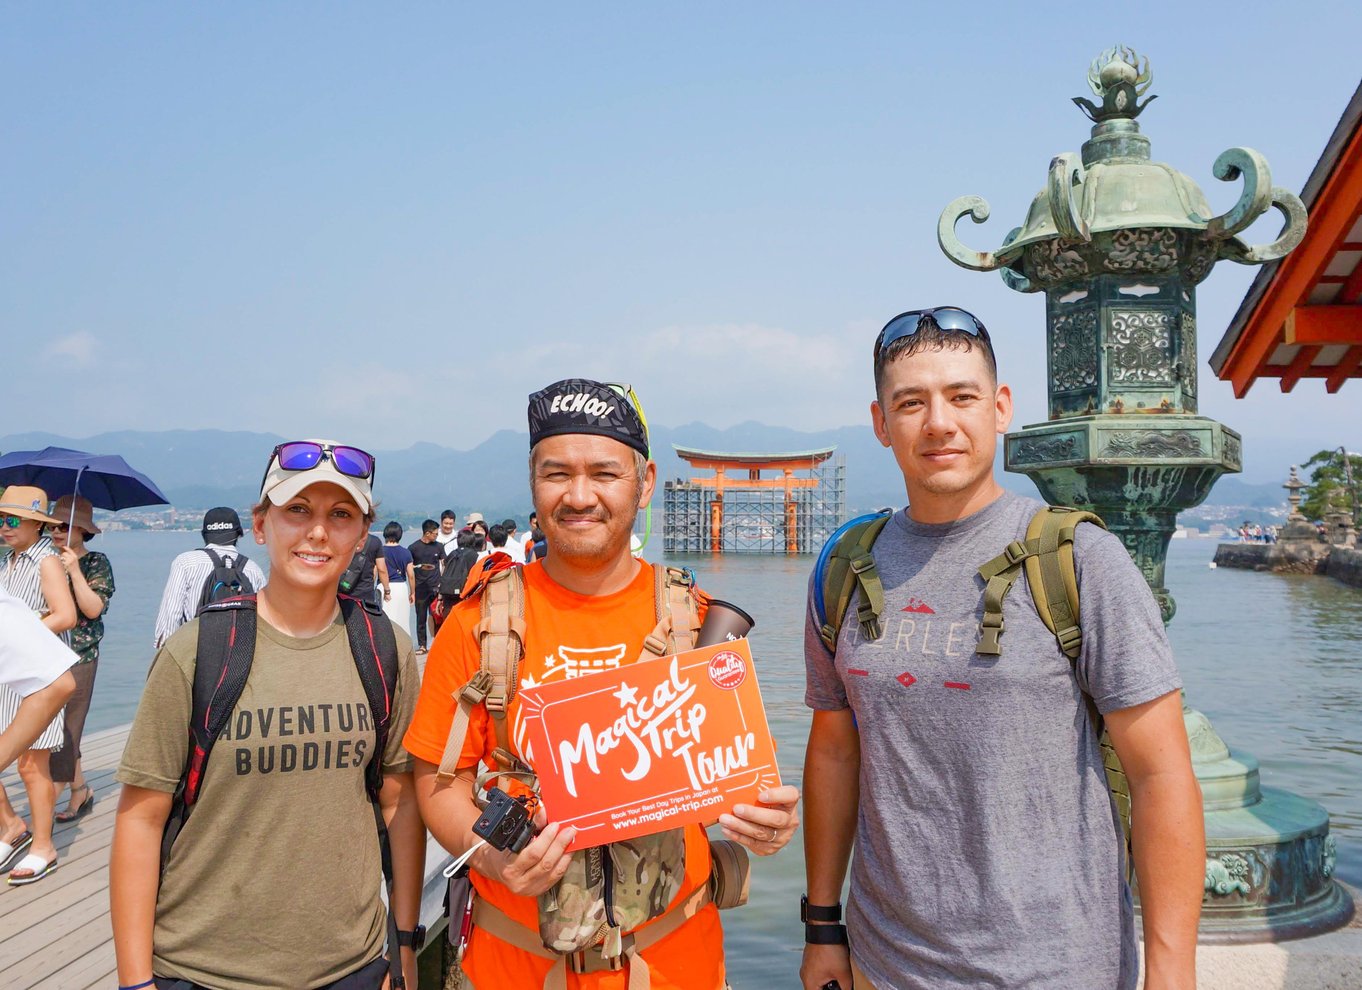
(55, 934)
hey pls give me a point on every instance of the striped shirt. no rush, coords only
(184, 587)
(21, 576)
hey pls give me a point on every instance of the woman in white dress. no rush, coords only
(397, 601)
(31, 570)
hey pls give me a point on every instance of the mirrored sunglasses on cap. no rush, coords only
(304, 455)
(947, 318)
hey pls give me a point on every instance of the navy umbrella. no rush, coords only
(105, 479)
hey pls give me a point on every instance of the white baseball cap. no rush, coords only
(318, 461)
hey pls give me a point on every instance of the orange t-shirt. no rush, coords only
(566, 635)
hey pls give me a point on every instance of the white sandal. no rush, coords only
(10, 850)
(37, 866)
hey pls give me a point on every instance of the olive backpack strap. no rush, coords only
(1053, 579)
(844, 566)
(501, 641)
(1047, 556)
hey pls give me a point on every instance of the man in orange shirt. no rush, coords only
(589, 605)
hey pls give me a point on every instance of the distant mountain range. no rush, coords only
(201, 468)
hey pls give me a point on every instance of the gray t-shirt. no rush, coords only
(987, 848)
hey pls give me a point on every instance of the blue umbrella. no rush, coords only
(105, 479)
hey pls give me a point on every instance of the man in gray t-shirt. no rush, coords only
(987, 849)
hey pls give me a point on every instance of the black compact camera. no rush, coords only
(506, 821)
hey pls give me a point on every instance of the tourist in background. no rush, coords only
(36, 666)
(400, 595)
(274, 881)
(370, 569)
(449, 529)
(32, 572)
(92, 585)
(536, 546)
(189, 571)
(428, 556)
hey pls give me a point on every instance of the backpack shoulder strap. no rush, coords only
(678, 613)
(1051, 574)
(225, 652)
(1053, 579)
(217, 561)
(500, 633)
(374, 648)
(844, 565)
(1047, 555)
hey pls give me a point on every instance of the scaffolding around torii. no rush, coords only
(793, 510)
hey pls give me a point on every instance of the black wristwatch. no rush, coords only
(824, 934)
(414, 939)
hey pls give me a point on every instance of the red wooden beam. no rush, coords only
(1345, 369)
(1296, 370)
(1352, 288)
(1324, 325)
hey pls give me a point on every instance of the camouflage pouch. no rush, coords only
(644, 877)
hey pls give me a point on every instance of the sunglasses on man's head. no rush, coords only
(947, 319)
(304, 455)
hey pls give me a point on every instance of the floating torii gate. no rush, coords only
(736, 470)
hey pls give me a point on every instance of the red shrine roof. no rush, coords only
(1302, 317)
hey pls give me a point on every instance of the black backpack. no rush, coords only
(360, 564)
(226, 580)
(226, 651)
(455, 573)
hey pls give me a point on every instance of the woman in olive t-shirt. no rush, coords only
(274, 881)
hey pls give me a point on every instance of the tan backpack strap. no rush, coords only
(678, 614)
(500, 633)
(683, 609)
(500, 926)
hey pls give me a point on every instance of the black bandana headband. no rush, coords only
(580, 405)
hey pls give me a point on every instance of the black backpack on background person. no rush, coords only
(361, 563)
(454, 575)
(227, 579)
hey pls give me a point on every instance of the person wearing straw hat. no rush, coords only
(92, 585)
(32, 571)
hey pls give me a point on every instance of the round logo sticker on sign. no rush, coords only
(727, 670)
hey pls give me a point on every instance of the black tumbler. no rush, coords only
(723, 623)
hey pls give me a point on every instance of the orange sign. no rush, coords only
(651, 746)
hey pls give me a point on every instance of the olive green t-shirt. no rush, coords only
(274, 880)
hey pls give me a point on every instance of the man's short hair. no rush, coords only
(466, 539)
(393, 531)
(497, 535)
(429, 526)
(930, 337)
(509, 525)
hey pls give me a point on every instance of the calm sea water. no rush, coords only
(1274, 660)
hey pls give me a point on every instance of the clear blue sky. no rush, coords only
(390, 222)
